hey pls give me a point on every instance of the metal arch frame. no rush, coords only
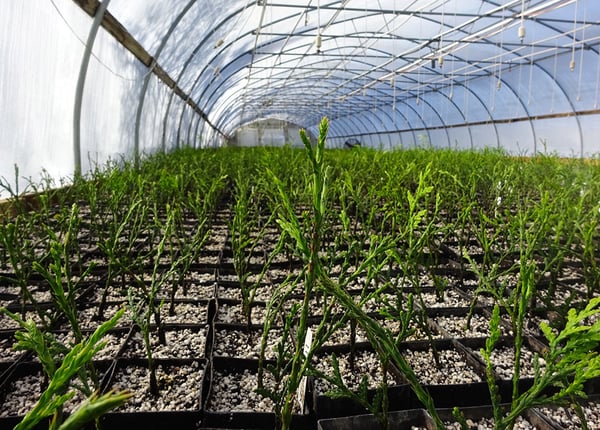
(375, 13)
(234, 94)
(231, 112)
(545, 23)
(231, 107)
(271, 41)
(346, 120)
(373, 114)
(571, 105)
(435, 111)
(201, 96)
(369, 64)
(140, 107)
(411, 129)
(85, 61)
(291, 15)
(453, 103)
(468, 90)
(489, 74)
(520, 101)
(512, 90)
(193, 54)
(417, 115)
(366, 113)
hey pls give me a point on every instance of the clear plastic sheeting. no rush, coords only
(523, 75)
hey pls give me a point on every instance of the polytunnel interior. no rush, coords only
(84, 81)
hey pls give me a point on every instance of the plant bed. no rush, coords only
(187, 312)
(231, 312)
(366, 363)
(23, 387)
(31, 312)
(183, 342)
(88, 318)
(419, 419)
(232, 291)
(453, 367)
(407, 419)
(7, 353)
(210, 257)
(115, 342)
(455, 326)
(341, 336)
(503, 361)
(233, 402)
(233, 387)
(451, 298)
(567, 418)
(236, 341)
(179, 384)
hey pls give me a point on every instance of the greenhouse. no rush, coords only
(316, 214)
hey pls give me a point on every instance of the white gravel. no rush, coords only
(232, 314)
(262, 293)
(342, 335)
(236, 392)
(503, 361)
(453, 369)
(186, 313)
(456, 326)
(193, 291)
(568, 419)
(179, 388)
(450, 299)
(483, 424)
(7, 323)
(181, 343)
(24, 392)
(87, 316)
(7, 352)
(243, 344)
(365, 363)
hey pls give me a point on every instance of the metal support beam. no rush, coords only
(85, 61)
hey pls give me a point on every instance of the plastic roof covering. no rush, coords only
(446, 73)
(382, 65)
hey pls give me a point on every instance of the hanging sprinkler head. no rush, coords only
(522, 32)
(318, 43)
(572, 65)
(441, 60)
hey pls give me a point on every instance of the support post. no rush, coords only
(81, 85)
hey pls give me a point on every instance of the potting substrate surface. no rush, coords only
(207, 368)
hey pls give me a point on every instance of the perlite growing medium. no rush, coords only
(483, 424)
(568, 419)
(503, 361)
(23, 393)
(179, 387)
(233, 314)
(366, 362)
(456, 326)
(241, 343)
(453, 369)
(236, 392)
(183, 343)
